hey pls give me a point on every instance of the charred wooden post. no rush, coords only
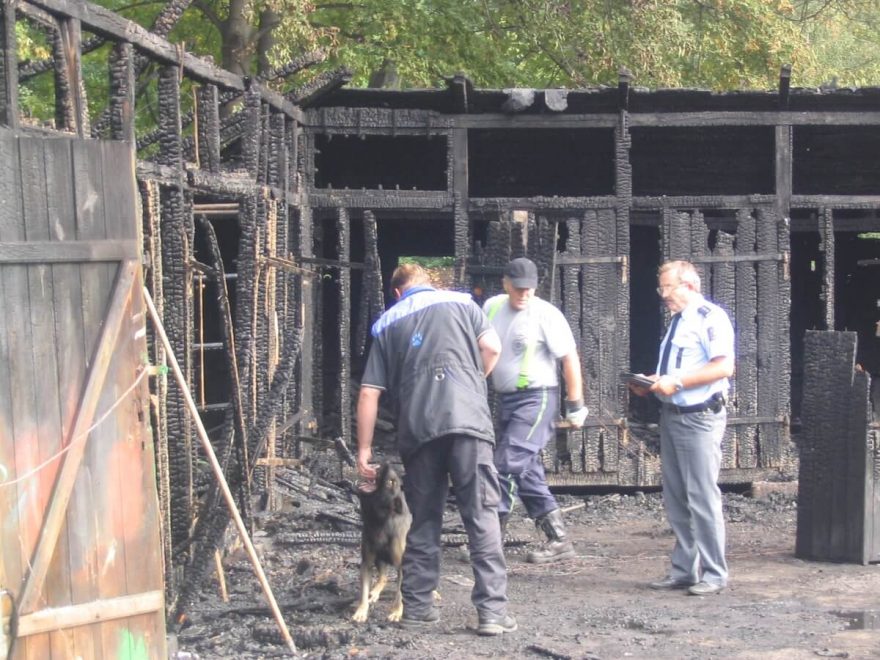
(253, 129)
(71, 109)
(826, 245)
(746, 384)
(773, 376)
(371, 297)
(838, 486)
(151, 203)
(176, 242)
(343, 252)
(8, 66)
(122, 89)
(208, 113)
(246, 301)
(722, 290)
(570, 302)
(304, 298)
(236, 413)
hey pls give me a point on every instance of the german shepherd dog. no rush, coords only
(386, 521)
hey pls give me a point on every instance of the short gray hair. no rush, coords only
(685, 271)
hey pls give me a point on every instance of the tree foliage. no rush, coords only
(714, 44)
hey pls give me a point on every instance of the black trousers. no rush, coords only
(469, 463)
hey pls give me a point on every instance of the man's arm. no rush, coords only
(716, 369)
(490, 350)
(367, 411)
(571, 372)
(575, 410)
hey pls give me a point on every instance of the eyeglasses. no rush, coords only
(668, 288)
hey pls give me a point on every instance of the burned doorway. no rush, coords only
(356, 252)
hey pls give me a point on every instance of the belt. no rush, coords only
(714, 403)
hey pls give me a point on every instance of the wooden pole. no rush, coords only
(218, 472)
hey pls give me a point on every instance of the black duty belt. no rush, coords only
(714, 403)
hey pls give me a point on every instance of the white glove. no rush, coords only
(576, 413)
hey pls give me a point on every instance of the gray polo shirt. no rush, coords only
(533, 340)
(426, 356)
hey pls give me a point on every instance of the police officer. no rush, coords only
(535, 337)
(696, 360)
(432, 352)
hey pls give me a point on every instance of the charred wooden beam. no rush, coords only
(176, 239)
(723, 290)
(122, 96)
(460, 89)
(320, 86)
(746, 311)
(372, 298)
(71, 109)
(296, 65)
(773, 338)
(784, 86)
(8, 67)
(252, 132)
(208, 130)
(623, 81)
(826, 247)
(343, 252)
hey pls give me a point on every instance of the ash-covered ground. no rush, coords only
(594, 606)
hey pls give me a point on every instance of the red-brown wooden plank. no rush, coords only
(88, 185)
(43, 345)
(70, 343)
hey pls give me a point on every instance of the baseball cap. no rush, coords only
(522, 273)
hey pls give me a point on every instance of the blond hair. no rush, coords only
(407, 275)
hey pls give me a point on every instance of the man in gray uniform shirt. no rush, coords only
(431, 353)
(534, 337)
(696, 360)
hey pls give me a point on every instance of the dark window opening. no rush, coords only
(836, 160)
(541, 162)
(646, 319)
(404, 162)
(730, 160)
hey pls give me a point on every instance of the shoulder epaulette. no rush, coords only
(704, 310)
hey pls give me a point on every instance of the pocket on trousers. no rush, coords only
(490, 488)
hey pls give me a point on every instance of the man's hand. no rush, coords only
(640, 390)
(364, 463)
(576, 413)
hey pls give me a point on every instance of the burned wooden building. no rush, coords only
(266, 224)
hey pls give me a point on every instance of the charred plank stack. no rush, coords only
(839, 480)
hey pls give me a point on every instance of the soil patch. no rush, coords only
(594, 606)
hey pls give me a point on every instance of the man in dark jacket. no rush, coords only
(431, 353)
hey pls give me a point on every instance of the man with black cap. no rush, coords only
(534, 337)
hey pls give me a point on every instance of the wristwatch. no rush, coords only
(679, 386)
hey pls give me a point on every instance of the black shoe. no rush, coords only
(705, 589)
(429, 618)
(491, 626)
(670, 582)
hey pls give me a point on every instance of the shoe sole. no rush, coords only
(549, 560)
(495, 630)
(707, 593)
(670, 587)
(419, 623)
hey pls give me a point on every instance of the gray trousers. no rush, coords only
(469, 463)
(690, 452)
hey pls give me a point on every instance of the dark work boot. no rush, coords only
(557, 546)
